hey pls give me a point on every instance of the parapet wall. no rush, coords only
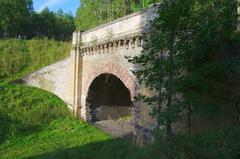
(133, 24)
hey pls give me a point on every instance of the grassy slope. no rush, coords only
(33, 121)
(36, 124)
(58, 135)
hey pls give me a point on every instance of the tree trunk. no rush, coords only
(170, 89)
(160, 95)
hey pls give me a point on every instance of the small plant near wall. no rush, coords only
(109, 34)
(123, 120)
(94, 41)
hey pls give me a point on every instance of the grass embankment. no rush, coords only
(21, 57)
(36, 124)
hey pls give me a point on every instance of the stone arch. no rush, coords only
(123, 75)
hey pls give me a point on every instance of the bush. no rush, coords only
(214, 144)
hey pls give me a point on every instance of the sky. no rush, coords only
(55, 5)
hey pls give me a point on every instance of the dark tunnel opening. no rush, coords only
(108, 98)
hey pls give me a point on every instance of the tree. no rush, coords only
(65, 25)
(185, 55)
(18, 20)
(52, 25)
(14, 16)
(92, 13)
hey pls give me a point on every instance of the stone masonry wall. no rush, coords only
(53, 78)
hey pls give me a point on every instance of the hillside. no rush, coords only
(37, 124)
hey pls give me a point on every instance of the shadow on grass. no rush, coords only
(9, 128)
(25, 110)
(4, 127)
(110, 149)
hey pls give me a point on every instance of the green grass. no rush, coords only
(21, 57)
(69, 138)
(58, 135)
(37, 124)
(24, 109)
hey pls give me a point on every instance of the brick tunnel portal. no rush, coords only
(108, 98)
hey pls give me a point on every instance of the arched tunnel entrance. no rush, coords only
(109, 99)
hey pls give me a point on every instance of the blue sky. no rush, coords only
(55, 5)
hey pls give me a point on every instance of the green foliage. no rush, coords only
(24, 110)
(18, 20)
(59, 26)
(92, 13)
(20, 57)
(142, 4)
(188, 52)
(214, 144)
(14, 16)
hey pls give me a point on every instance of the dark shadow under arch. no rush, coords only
(108, 98)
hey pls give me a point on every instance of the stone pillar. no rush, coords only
(76, 79)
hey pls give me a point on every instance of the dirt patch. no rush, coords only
(121, 129)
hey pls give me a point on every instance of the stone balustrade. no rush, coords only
(112, 46)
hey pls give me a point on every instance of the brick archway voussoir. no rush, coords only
(124, 75)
